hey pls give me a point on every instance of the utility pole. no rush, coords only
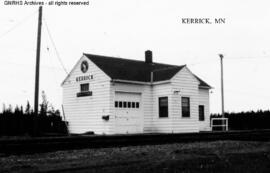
(222, 89)
(38, 60)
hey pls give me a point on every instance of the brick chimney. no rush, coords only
(148, 57)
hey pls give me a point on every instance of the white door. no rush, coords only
(128, 112)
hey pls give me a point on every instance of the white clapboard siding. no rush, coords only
(184, 84)
(147, 98)
(85, 113)
(204, 100)
(153, 123)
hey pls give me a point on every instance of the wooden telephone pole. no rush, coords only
(38, 61)
(222, 90)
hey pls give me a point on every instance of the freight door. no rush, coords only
(128, 113)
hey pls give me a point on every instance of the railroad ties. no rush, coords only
(47, 144)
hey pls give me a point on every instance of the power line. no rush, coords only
(259, 57)
(18, 24)
(202, 62)
(20, 64)
(56, 51)
(230, 58)
(51, 59)
(245, 92)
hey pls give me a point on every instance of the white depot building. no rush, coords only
(110, 95)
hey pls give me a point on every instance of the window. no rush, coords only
(163, 106)
(116, 104)
(201, 113)
(84, 90)
(133, 104)
(137, 104)
(120, 104)
(125, 104)
(129, 104)
(85, 87)
(185, 107)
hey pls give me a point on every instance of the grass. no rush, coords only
(218, 156)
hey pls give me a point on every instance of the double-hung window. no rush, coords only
(185, 107)
(163, 107)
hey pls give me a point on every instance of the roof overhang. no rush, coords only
(140, 82)
(205, 87)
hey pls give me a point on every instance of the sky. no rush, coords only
(126, 29)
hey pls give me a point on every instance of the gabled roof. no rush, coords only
(134, 70)
(202, 83)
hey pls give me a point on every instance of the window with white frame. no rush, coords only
(185, 107)
(163, 107)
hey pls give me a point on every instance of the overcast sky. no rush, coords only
(126, 29)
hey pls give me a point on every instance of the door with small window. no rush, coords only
(128, 114)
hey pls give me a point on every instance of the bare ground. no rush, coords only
(218, 156)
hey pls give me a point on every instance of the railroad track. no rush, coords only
(46, 144)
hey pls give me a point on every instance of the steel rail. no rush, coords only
(49, 144)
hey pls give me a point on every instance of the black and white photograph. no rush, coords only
(134, 86)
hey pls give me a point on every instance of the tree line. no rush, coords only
(23, 121)
(249, 120)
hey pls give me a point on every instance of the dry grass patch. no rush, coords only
(218, 156)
